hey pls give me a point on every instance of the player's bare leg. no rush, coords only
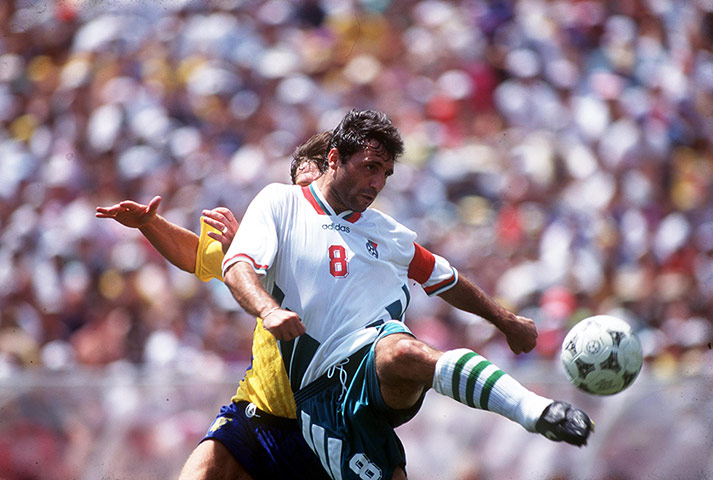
(406, 367)
(212, 461)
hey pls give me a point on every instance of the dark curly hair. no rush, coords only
(358, 127)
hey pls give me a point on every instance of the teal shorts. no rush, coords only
(346, 422)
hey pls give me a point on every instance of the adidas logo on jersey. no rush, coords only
(336, 227)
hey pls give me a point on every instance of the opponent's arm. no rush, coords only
(245, 286)
(177, 244)
(520, 332)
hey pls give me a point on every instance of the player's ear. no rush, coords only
(333, 159)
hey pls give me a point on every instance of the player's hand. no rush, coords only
(283, 324)
(521, 334)
(224, 221)
(131, 214)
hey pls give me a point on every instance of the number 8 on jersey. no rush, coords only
(338, 261)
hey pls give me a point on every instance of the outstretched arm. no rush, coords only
(177, 244)
(520, 332)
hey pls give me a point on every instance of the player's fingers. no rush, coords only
(291, 328)
(224, 241)
(226, 217)
(217, 215)
(227, 214)
(113, 208)
(110, 211)
(282, 333)
(153, 204)
(217, 224)
(300, 329)
(297, 328)
(294, 332)
(131, 205)
(517, 347)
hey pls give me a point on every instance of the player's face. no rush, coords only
(306, 173)
(359, 180)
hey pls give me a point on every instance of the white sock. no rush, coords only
(470, 379)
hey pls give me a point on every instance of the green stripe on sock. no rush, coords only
(455, 385)
(489, 384)
(472, 380)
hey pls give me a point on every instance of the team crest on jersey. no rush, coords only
(371, 248)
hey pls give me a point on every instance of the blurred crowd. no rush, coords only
(559, 152)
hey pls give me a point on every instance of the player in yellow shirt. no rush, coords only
(255, 436)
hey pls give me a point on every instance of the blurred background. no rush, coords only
(558, 152)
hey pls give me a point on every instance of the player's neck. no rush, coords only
(330, 193)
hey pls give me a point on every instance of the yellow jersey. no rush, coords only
(265, 383)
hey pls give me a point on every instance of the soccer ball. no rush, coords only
(601, 355)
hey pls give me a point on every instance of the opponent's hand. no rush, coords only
(224, 221)
(283, 324)
(130, 214)
(521, 334)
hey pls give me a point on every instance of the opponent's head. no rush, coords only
(362, 152)
(309, 160)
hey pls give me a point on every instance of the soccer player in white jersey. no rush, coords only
(328, 276)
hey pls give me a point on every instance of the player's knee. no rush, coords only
(394, 350)
(407, 350)
(403, 370)
(404, 354)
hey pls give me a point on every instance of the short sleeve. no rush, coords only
(433, 272)
(256, 240)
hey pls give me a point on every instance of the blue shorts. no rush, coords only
(266, 446)
(348, 425)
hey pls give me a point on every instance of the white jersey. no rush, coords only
(344, 274)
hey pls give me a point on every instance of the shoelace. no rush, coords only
(342, 375)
